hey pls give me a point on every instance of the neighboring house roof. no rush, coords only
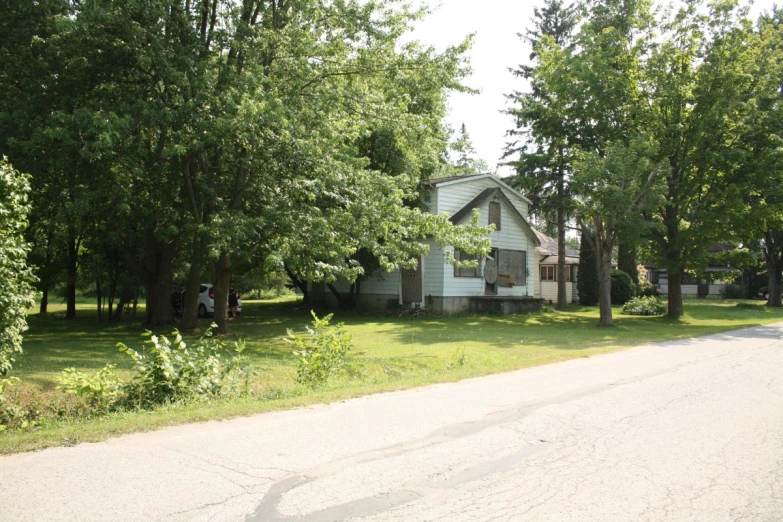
(489, 193)
(548, 250)
(453, 180)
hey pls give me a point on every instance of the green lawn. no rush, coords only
(389, 353)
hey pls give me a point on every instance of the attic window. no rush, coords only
(494, 214)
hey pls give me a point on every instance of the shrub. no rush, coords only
(622, 287)
(648, 290)
(321, 351)
(102, 389)
(733, 292)
(649, 305)
(15, 276)
(12, 416)
(170, 371)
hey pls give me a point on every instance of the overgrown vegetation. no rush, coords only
(321, 351)
(170, 370)
(388, 353)
(165, 371)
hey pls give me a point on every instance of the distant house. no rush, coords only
(547, 269)
(505, 281)
(702, 286)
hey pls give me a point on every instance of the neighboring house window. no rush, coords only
(494, 214)
(689, 280)
(512, 268)
(473, 271)
(549, 272)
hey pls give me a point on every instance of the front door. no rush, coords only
(412, 285)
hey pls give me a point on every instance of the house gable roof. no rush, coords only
(453, 180)
(549, 246)
(487, 194)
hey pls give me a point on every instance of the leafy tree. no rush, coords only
(15, 276)
(759, 168)
(614, 189)
(544, 158)
(698, 82)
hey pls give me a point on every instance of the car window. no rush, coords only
(202, 289)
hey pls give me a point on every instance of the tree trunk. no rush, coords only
(110, 301)
(773, 278)
(675, 293)
(220, 286)
(135, 303)
(71, 275)
(44, 302)
(773, 240)
(192, 286)
(301, 285)
(158, 310)
(562, 298)
(99, 299)
(605, 285)
(155, 268)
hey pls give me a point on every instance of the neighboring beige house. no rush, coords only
(547, 269)
(693, 286)
(505, 281)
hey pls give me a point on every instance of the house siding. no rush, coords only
(549, 291)
(511, 236)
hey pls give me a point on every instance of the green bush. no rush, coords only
(168, 371)
(102, 389)
(623, 287)
(321, 351)
(15, 276)
(648, 290)
(733, 292)
(649, 305)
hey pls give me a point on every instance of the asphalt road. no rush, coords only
(683, 431)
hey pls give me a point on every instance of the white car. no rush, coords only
(206, 301)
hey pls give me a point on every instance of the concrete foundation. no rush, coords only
(505, 305)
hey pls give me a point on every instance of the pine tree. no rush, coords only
(587, 274)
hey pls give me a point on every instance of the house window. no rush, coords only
(494, 214)
(549, 272)
(512, 268)
(473, 271)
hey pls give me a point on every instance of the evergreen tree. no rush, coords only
(542, 163)
(587, 274)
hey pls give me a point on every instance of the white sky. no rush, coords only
(496, 47)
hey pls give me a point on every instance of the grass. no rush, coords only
(389, 353)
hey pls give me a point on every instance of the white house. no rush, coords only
(547, 270)
(505, 281)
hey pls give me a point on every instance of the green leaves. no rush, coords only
(16, 278)
(321, 351)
